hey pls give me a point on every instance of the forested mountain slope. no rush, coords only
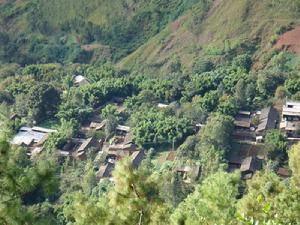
(153, 32)
(149, 112)
(56, 30)
(212, 28)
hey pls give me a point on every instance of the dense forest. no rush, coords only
(179, 112)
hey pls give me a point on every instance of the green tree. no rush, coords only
(73, 106)
(294, 163)
(24, 184)
(228, 105)
(201, 66)
(267, 82)
(109, 111)
(217, 131)
(82, 209)
(276, 145)
(280, 93)
(187, 150)
(213, 202)
(89, 179)
(135, 196)
(153, 127)
(258, 200)
(56, 140)
(243, 61)
(41, 102)
(240, 92)
(110, 126)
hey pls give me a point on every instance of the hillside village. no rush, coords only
(250, 128)
(160, 112)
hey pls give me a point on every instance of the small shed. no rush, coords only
(242, 120)
(249, 166)
(80, 80)
(284, 172)
(86, 144)
(189, 173)
(123, 128)
(105, 171)
(98, 126)
(162, 106)
(137, 157)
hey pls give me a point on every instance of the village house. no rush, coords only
(98, 125)
(162, 106)
(244, 130)
(242, 154)
(80, 80)
(249, 166)
(122, 130)
(105, 171)
(268, 118)
(121, 145)
(32, 138)
(137, 157)
(252, 126)
(86, 144)
(189, 174)
(290, 122)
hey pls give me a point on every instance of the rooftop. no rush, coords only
(105, 170)
(250, 164)
(98, 126)
(293, 104)
(79, 79)
(291, 108)
(161, 105)
(27, 135)
(267, 119)
(290, 125)
(123, 128)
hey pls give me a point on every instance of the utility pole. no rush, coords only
(173, 144)
(141, 216)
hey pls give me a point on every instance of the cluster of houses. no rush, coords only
(32, 138)
(250, 129)
(117, 147)
(120, 145)
(252, 126)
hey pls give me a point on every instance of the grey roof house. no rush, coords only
(267, 119)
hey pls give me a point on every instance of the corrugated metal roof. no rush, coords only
(123, 128)
(27, 136)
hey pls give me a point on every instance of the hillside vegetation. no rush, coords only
(149, 112)
(55, 30)
(215, 29)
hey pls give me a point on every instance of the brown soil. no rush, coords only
(290, 41)
(171, 156)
